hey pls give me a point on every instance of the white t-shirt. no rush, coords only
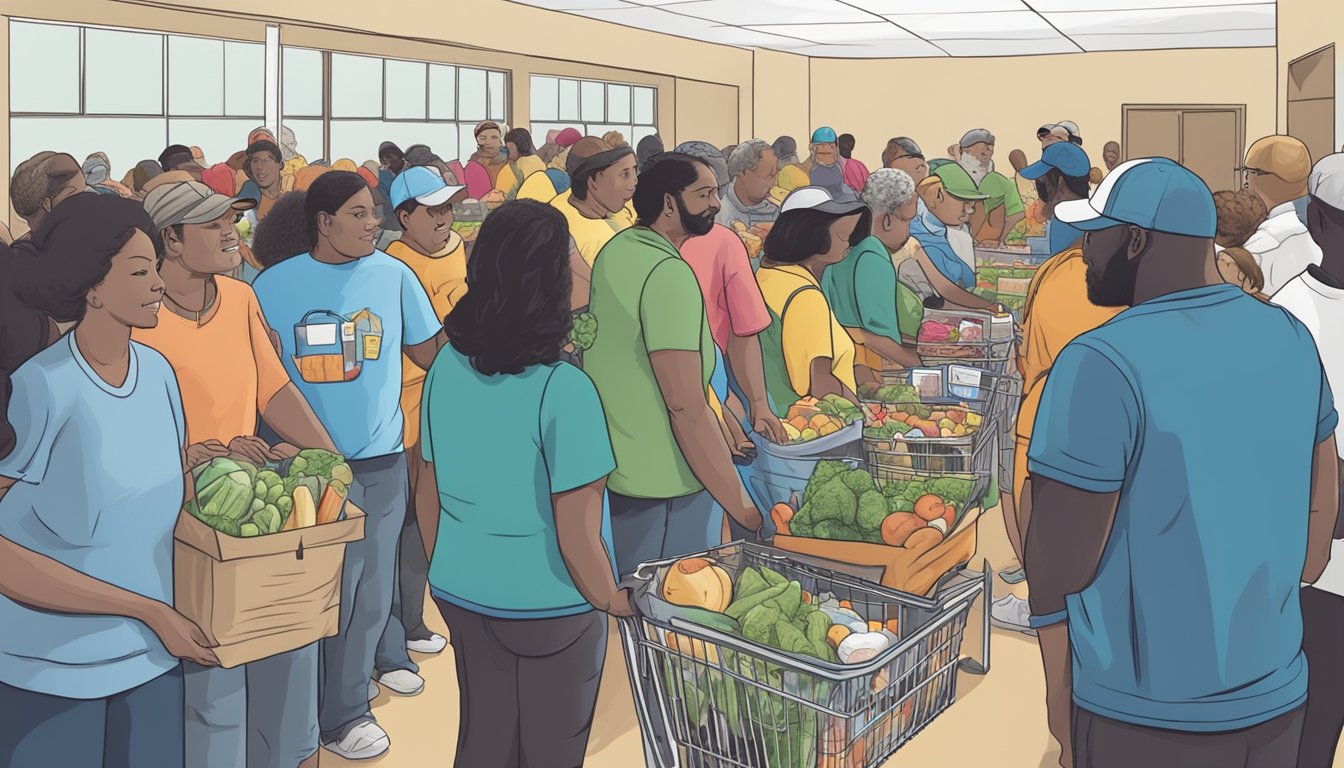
(1321, 309)
(1282, 247)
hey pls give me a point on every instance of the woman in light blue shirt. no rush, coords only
(89, 659)
(521, 568)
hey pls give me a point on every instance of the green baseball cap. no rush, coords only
(958, 183)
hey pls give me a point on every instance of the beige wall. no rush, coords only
(870, 98)
(714, 118)
(1305, 26)
(782, 96)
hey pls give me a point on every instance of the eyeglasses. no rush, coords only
(1246, 172)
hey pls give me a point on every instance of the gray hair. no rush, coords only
(746, 156)
(710, 155)
(888, 189)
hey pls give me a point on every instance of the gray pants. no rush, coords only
(1100, 742)
(528, 687)
(368, 582)
(259, 715)
(131, 729)
(408, 600)
(656, 529)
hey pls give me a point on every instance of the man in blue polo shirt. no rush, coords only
(1168, 546)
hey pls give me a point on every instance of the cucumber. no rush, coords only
(710, 619)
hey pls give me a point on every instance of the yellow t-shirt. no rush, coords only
(810, 328)
(526, 166)
(444, 277)
(537, 186)
(589, 235)
(1057, 312)
(792, 177)
(227, 368)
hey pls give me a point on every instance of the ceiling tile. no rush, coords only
(654, 19)
(839, 34)
(1149, 42)
(772, 12)
(740, 36)
(1020, 25)
(896, 7)
(1164, 21)
(1058, 44)
(575, 5)
(1057, 6)
(875, 49)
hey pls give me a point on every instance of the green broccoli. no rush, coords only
(824, 471)
(873, 537)
(954, 489)
(899, 504)
(872, 511)
(834, 501)
(834, 531)
(858, 481)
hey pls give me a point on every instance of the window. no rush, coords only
(130, 93)
(592, 106)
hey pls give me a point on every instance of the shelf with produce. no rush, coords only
(747, 655)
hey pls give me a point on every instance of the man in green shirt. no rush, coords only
(652, 363)
(997, 216)
(880, 312)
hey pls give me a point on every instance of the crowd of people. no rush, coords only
(152, 324)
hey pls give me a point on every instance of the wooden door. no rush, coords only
(1209, 147)
(1311, 101)
(1153, 133)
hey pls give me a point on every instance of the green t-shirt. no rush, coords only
(863, 292)
(646, 300)
(501, 445)
(1002, 191)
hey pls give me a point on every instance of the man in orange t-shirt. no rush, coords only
(423, 204)
(212, 332)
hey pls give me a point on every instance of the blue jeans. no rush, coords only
(259, 715)
(368, 583)
(131, 729)
(658, 529)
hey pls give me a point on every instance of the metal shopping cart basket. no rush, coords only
(710, 699)
(967, 338)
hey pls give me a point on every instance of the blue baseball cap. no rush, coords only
(1153, 193)
(424, 185)
(823, 135)
(1063, 156)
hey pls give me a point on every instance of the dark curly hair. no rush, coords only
(283, 234)
(1240, 213)
(516, 311)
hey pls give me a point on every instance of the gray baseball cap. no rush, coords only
(190, 202)
(976, 136)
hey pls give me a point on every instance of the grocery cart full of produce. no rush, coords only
(966, 337)
(752, 657)
(828, 428)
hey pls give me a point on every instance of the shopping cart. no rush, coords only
(710, 699)
(973, 338)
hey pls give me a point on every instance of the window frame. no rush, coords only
(588, 126)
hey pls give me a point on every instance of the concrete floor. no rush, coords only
(998, 720)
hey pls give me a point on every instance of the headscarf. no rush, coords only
(96, 168)
(568, 137)
(220, 177)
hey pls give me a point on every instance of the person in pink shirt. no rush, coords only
(856, 173)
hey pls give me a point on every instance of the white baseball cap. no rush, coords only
(819, 199)
(1326, 182)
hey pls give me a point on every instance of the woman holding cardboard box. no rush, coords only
(91, 485)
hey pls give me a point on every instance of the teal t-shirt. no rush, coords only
(1192, 622)
(1002, 191)
(501, 445)
(863, 292)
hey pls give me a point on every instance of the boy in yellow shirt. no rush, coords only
(423, 204)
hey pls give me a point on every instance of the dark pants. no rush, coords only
(1100, 742)
(407, 620)
(133, 729)
(1322, 628)
(644, 530)
(528, 688)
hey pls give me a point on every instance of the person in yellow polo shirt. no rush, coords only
(792, 174)
(423, 204)
(603, 182)
(805, 351)
(522, 164)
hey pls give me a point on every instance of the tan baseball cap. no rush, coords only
(190, 202)
(1282, 156)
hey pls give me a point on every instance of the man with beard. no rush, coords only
(1148, 542)
(652, 363)
(949, 198)
(1110, 154)
(1003, 206)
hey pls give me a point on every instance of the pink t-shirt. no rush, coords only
(478, 180)
(856, 174)
(733, 300)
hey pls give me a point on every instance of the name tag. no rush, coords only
(372, 346)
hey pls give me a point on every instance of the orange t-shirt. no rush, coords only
(227, 369)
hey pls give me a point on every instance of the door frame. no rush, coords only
(1125, 109)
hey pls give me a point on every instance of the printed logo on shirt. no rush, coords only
(331, 349)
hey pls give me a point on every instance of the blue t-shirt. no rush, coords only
(932, 235)
(501, 445)
(342, 328)
(1061, 235)
(1192, 622)
(100, 486)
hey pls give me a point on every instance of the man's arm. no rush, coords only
(1064, 542)
(1324, 509)
(824, 382)
(423, 354)
(744, 353)
(887, 348)
(698, 434)
(578, 525)
(289, 414)
(1011, 222)
(949, 290)
(582, 276)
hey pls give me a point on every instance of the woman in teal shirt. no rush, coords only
(520, 449)
(89, 493)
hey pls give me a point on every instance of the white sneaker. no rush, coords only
(1012, 613)
(374, 690)
(364, 742)
(435, 644)
(403, 681)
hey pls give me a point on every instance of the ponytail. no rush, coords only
(283, 234)
(24, 332)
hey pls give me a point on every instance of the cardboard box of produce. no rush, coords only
(262, 595)
(908, 570)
